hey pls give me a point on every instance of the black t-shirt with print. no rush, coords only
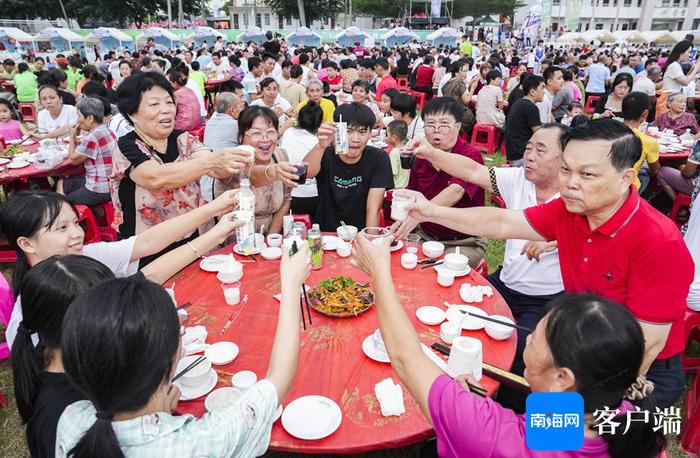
(343, 188)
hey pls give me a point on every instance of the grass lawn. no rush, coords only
(12, 439)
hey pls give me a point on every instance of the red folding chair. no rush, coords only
(681, 201)
(105, 221)
(691, 333)
(420, 98)
(28, 111)
(591, 102)
(689, 439)
(198, 132)
(306, 219)
(402, 82)
(482, 267)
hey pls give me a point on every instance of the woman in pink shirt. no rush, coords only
(584, 344)
(188, 110)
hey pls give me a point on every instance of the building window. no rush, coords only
(280, 22)
(676, 2)
(235, 21)
(633, 26)
(289, 20)
(606, 2)
(258, 20)
(627, 3)
(696, 24)
(639, 3)
(625, 26)
(614, 2)
(599, 26)
(555, 26)
(665, 2)
(267, 19)
(556, 2)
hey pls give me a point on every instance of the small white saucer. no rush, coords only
(188, 393)
(330, 242)
(17, 164)
(373, 352)
(430, 315)
(396, 247)
(257, 250)
(222, 353)
(456, 273)
(213, 263)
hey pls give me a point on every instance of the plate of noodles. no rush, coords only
(341, 297)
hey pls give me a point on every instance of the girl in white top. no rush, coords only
(131, 397)
(674, 78)
(56, 119)
(42, 224)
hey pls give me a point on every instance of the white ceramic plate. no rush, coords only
(188, 393)
(456, 273)
(257, 250)
(221, 398)
(397, 247)
(330, 242)
(311, 417)
(373, 352)
(17, 164)
(469, 323)
(213, 263)
(4, 160)
(430, 315)
(222, 353)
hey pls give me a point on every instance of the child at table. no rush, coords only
(396, 133)
(10, 127)
(131, 396)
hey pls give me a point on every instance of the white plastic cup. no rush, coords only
(343, 249)
(410, 261)
(398, 207)
(232, 293)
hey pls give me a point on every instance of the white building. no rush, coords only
(614, 15)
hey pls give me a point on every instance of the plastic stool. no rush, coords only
(591, 102)
(28, 111)
(681, 201)
(485, 137)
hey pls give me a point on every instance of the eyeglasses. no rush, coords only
(442, 128)
(257, 136)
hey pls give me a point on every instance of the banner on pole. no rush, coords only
(573, 13)
(435, 6)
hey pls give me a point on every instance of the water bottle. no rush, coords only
(316, 247)
(245, 234)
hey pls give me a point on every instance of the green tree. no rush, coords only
(313, 9)
(382, 9)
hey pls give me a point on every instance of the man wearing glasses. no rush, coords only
(351, 186)
(442, 118)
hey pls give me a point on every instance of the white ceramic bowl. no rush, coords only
(271, 253)
(445, 278)
(499, 331)
(449, 332)
(198, 375)
(343, 249)
(274, 240)
(346, 233)
(229, 276)
(409, 260)
(222, 353)
(433, 249)
(244, 379)
(456, 261)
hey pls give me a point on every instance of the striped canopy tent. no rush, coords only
(304, 35)
(13, 38)
(571, 37)
(398, 36)
(111, 38)
(445, 36)
(349, 36)
(662, 37)
(203, 33)
(602, 36)
(254, 34)
(161, 37)
(61, 39)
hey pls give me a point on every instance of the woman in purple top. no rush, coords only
(585, 344)
(676, 118)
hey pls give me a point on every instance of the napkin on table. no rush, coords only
(194, 340)
(390, 397)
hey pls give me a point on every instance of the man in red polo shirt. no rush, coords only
(611, 242)
(441, 116)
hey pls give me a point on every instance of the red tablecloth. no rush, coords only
(65, 168)
(673, 156)
(331, 360)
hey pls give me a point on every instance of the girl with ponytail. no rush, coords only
(42, 390)
(41, 224)
(120, 347)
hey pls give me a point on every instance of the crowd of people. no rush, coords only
(587, 256)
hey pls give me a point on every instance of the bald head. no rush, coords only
(229, 103)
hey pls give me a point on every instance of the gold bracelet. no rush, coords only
(194, 249)
(266, 175)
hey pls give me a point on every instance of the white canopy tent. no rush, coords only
(161, 36)
(661, 37)
(598, 35)
(446, 36)
(304, 35)
(61, 39)
(111, 38)
(254, 34)
(353, 34)
(202, 34)
(12, 38)
(398, 36)
(629, 36)
(571, 37)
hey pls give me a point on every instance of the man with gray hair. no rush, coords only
(647, 83)
(314, 92)
(221, 131)
(94, 151)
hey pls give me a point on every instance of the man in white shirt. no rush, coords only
(598, 77)
(647, 83)
(554, 81)
(217, 66)
(252, 79)
(530, 276)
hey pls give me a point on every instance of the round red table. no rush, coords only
(331, 361)
(65, 168)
